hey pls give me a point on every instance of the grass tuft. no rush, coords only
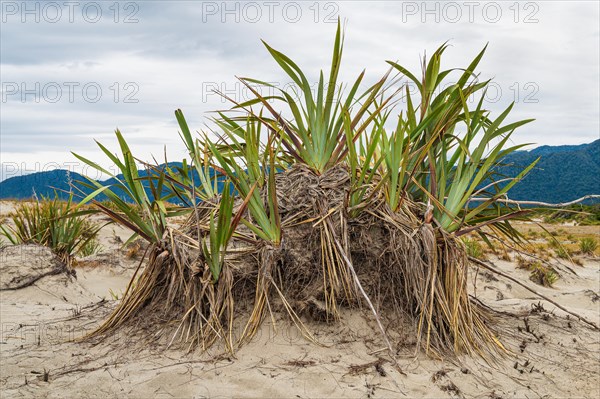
(474, 248)
(55, 224)
(538, 272)
(588, 245)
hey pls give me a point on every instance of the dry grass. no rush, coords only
(564, 242)
(133, 249)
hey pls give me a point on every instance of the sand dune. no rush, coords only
(551, 353)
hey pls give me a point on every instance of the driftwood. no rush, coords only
(540, 203)
(514, 280)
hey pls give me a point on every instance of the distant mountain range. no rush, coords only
(45, 184)
(564, 173)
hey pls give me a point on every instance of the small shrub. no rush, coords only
(539, 273)
(543, 275)
(521, 262)
(584, 215)
(474, 248)
(588, 245)
(562, 252)
(90, 248)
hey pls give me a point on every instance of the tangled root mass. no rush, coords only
(405, 266)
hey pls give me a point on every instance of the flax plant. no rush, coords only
(208, 188)
(441, 148)
(249, 177)
(315, 136)
(144, 213)
(342, 174)
(220, 232)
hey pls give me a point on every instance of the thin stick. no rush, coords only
(360, 287)
(514, 280)
(539, 203)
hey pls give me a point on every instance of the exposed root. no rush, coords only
(325, 261)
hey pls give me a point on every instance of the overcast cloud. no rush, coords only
(150, 57)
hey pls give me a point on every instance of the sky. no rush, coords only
(72, 72)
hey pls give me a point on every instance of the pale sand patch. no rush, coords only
(554, 356)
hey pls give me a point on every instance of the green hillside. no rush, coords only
(564, 173)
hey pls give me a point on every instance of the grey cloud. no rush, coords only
(177, 52)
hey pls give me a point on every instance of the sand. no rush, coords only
(553, 355)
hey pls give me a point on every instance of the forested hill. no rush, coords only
(564, 173)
